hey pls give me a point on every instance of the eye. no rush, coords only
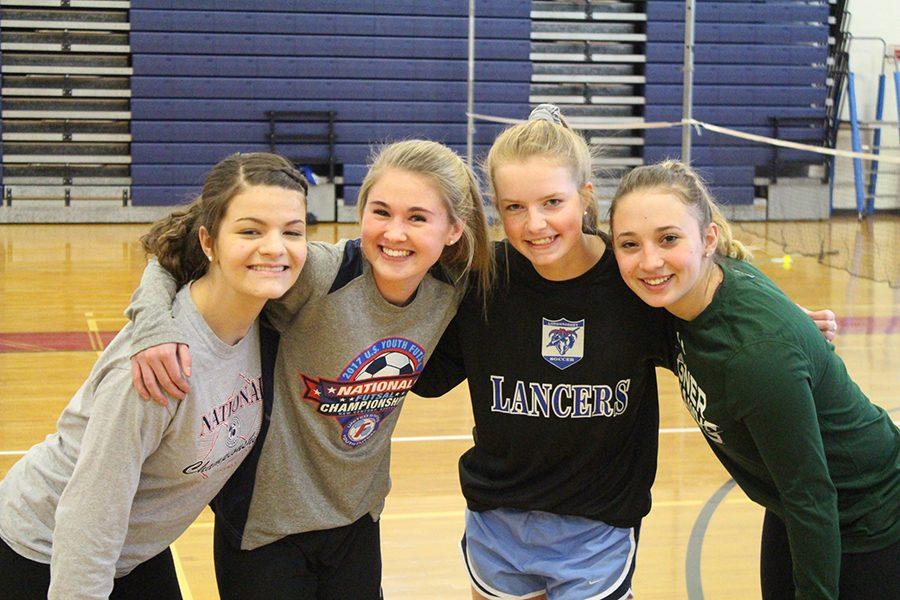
(296, 234)
(248, 231)
(554, 202)
(627, 245)
(669, 238)
(418, 219)
(380, 212)
(512, 207)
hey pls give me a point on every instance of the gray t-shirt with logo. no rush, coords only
(346, 360)
(122, 478)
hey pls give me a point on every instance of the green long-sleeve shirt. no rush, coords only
(781, 413)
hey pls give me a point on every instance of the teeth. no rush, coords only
(396, 253)
(658, 280)
(275, 269)
(542, 241)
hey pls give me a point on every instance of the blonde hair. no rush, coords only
(546, 134)
(174, 239)
(462, 197)
(676, 177)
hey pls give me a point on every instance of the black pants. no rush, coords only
(863, 576)
(332, 564)
(24, 579)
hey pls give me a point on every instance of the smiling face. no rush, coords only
(405, 228)
(662, 254)
(542, 210)
(260, 245)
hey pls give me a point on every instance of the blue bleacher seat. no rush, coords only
(235, 88)
(743, 12)
(325, 26)
(263, 44)
(738, 95)
(505, 9)
(339, 68)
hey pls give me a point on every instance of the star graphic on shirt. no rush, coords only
(332, 390)
(316, 392)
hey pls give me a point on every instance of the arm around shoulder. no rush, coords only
(151, 309)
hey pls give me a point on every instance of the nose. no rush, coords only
(535, 220)
(650, 258)
(395, 230)
(272, 244)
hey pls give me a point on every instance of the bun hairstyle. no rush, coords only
(547, 134)
(678, 178)
(174, 240)
(472, 255)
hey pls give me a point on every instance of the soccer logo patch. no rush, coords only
(562, 342)
(369, 388)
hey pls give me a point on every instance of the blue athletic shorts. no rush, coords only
(522, 554)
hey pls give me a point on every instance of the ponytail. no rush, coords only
(727, 246)
(175, 242)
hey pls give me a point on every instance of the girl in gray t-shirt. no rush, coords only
(90, 511)
(302, 521)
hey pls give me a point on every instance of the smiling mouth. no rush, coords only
(269, 268)
(656, 281)
(396, 253)
(541, 242)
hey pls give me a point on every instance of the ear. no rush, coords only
(710, 239)
(587, 194)
(206, 242)
(456, 231)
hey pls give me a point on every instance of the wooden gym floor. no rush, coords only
(63, 289)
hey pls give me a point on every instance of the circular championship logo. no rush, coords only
(359, 429)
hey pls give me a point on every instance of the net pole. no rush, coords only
(470, 98)
(688, 93)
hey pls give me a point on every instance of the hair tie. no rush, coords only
(546, 112)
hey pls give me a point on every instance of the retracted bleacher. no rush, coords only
(65, 103)
(206, 76)
(754, 61)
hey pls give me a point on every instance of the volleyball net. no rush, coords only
(863, 244)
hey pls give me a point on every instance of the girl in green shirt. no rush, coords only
(774, 401)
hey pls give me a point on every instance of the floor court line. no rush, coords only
(424, 438)
(181, 575)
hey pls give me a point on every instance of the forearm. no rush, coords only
(151, 309)
(85, 551)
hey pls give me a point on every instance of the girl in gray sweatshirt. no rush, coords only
(89, 513)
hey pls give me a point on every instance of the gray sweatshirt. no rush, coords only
(122, 478)
(345, 363)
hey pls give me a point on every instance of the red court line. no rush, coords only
(51, 341)
(79, 341)
(868, 325)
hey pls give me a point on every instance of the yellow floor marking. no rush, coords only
(182, 578)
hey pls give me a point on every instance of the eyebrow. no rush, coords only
(547, 197)
(411, 209)
(261, 222)
(657, 230)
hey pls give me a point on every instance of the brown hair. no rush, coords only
(174, 239)
(676, 177)
(547, 134)
(462, 197)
